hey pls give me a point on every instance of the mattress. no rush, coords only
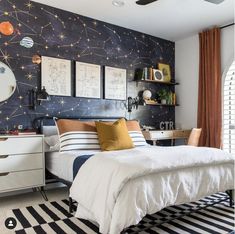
(61, 164)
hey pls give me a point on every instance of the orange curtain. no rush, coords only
(209, 94)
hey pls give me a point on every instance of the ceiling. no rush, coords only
(168, 19)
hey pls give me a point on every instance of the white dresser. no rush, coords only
(21, 162)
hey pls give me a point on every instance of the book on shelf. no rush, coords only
(148, 73)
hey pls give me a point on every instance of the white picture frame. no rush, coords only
(56, 76)
(88, 80)
(115, 87)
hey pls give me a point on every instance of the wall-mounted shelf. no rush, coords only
(159, 104)
(158, 82)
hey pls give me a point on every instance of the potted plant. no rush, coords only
(163, 95)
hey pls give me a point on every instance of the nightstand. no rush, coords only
(22, 163)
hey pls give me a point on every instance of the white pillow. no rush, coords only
(53, 142)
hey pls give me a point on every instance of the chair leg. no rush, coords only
(70, 205)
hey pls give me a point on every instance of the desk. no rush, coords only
(159, 135)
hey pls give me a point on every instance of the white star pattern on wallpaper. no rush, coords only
(61, 34)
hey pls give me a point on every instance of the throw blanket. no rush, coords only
(117, 189)
(78, 162)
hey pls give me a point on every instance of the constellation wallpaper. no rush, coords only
(43, 30)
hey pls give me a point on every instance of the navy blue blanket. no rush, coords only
(78, 162)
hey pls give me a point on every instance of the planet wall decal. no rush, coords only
(27, 42)
(6, 28)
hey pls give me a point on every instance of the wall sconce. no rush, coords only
(36, 97)
(134, 103)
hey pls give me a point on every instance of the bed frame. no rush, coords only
(43, 121)
(38, 124)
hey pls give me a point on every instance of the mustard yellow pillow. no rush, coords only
(114, 136)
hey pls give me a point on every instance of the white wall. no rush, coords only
(187, 72)
(187, 64)
(227, 47)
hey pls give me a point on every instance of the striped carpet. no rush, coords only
(53, 217)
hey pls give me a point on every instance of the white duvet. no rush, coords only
(117, 189)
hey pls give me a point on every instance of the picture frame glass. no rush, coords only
(115, 83)
(88, 80)
(165, 68)
(56, 76)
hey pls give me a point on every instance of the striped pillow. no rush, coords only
(135, 133)
(77, 135)
(137, 138)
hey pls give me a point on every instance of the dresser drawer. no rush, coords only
(181, 134)
(21, 162)
(20, 145)
(21, 180)
(161, 134)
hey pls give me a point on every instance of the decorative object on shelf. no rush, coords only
(56, 76)
(7, 82)
(36, 59)
(147, 94)
(88, 80)
(173, 98)
(163, 95)
(166, 125)
(6, 28)
(132, 103)
(158, 75)
(115, 83)
(36, 97)
(148, 128)
(139, 74)
(167, 97)
(27, 42)
(148, 73)
(151, 102)
(165, 68)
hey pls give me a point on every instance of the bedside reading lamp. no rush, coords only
(134, 103)
(36, 97)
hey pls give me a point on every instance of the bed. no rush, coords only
(59, 166)
(142, 181)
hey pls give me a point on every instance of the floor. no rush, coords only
(27, 199)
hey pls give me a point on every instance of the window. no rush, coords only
(229, 111)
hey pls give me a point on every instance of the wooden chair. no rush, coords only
(194, 136)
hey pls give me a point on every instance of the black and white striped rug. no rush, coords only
(53, 217)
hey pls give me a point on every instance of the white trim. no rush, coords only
(224, 75)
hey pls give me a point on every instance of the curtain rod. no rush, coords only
(228, 25)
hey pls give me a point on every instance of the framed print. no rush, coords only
(115, 83)
(88, 80)
(165, 68)
(56, 76)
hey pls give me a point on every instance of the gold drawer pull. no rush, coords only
(4, 156)
(3, 139)
(4, 174)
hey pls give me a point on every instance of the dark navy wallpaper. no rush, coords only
(57, 33)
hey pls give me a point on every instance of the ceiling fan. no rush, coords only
(146, 2)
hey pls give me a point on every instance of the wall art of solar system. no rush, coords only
(47, 31)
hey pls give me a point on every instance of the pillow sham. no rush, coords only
(77, 135)
(114, 136)
(135, 133)
(52, 142)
